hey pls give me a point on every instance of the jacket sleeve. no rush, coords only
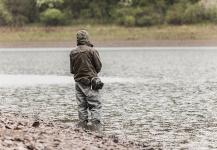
(96, 61)
(71, 64)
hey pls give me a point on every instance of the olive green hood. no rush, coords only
(82, 37)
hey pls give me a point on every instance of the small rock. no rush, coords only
(17, 139)
(22, 124)
(31, 147)
(36, 124)
(9, 138)
(18, 128)
(115, 140)
(99, 136)
(8, 142)
(76, 130)
(7, 127)
(58, 140)
(55, 144)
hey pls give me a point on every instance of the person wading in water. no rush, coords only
(85, 64)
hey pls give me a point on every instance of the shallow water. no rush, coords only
(165, 98)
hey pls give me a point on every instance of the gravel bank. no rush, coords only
(22, 133)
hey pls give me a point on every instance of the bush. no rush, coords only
(199, 14)
(52, 17)
(152, 15)
(175, 15)
(45, 4)
(151, 18)
(144, 21)
(140, 16)
(192, 14)
(21, 11)
(187, 13)
(129, 21)
(5, 17)
(212, 14)
(119, 15)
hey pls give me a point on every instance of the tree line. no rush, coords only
(128, 13)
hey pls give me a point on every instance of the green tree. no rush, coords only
(123, 12)
(142, 3)
(52, 17)
(45, 4)
(5, 17)
(175, 14)
(22, 11)
(91, 9)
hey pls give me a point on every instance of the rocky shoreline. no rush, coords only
(23, 133)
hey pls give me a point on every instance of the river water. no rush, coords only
(163, 97)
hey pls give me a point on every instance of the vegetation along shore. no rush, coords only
(128, 13)
(110, 35)
(52, 23)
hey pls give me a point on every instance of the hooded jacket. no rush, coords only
(84, 59)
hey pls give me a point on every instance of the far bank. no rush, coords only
(157, 43)
(110, 36)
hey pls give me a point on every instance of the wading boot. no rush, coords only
(82, 125)
(96, 126)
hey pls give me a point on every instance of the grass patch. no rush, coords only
(109, 33)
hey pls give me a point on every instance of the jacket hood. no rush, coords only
(82, 37)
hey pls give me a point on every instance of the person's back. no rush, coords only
(85, 64)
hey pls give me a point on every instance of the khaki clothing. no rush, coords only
(84, 62)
